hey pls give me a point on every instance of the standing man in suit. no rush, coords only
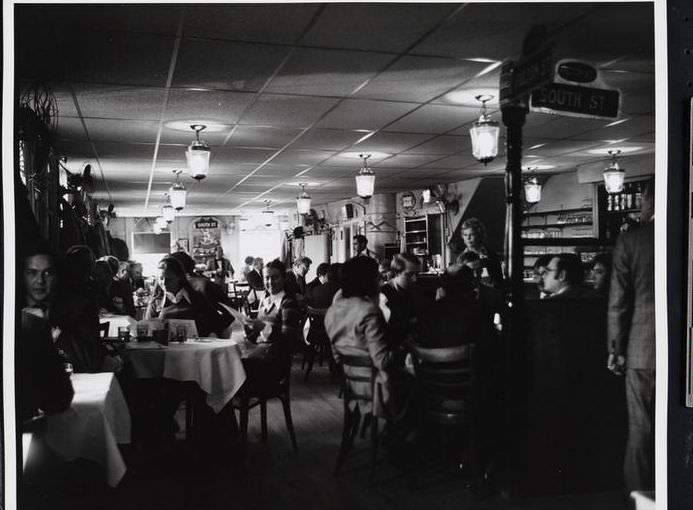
(631, 337)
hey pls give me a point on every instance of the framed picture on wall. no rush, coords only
(184, 244)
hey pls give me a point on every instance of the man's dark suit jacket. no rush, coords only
(631, 327)
(254, 279)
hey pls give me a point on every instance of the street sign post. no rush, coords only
(532, 72)
(575, 101)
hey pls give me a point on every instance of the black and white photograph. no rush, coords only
(326, 256)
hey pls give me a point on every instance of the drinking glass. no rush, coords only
(124, 333)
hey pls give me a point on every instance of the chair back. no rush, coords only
(447, 379)
(316, 318)
(103, 329)
(359, 373)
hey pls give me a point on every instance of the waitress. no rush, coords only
(474, 237)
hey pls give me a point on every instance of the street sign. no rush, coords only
(574, 101)
(532, 72)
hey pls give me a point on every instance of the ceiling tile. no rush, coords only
(329, 139)
(326, 72)
(407, 161)
(265, 137)
(225, 65)
(71, 129)
(435, 119)
(283, 171)
(233, 155)
(289, 111)
(302, 157)
(364, 114)
(453, 162)
(489, 31)
(184, 138)
(444, 144)
(118, 58)
(391, 143)
(273, 23)
(109, 102)
(120, 130)
(207, 105)
(420, 79)
(377, 27)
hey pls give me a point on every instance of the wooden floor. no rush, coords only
(188, 477)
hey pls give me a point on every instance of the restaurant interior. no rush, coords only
(282, 131)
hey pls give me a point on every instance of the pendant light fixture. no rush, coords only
(532, 188)
(168, 212)
(303, 201)
(177, 193)
(198, 155)
(484, 134)
(268, 214)
(614, 175)
(365, 180)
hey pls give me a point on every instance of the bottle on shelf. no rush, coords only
(638, 197)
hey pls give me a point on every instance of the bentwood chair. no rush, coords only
(317, 342)
(358, 391)
(256, 393)
(447, 380)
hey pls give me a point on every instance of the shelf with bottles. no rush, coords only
(619, 211)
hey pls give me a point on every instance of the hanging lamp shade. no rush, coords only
(268, 214)
(614, 175)
(303, 201)
(484, 134)
(365, 180)
(532, 190)
(198, 154)
(168, 213)
(177, 193)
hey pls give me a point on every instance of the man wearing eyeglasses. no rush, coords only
(563, 276)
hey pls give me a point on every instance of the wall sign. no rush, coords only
(206, 223)
(408, 201)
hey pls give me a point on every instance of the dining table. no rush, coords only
(215, 364)
(97, 421)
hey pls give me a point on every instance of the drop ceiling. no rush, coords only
(297, 91)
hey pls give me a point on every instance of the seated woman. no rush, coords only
(356, 326)
(275, 330)
(601, 274)
(174, 298)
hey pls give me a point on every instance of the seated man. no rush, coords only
(322, 294)
(71, 314)
(296, 277)
(563, 277)
(121, 291)
(404, 300)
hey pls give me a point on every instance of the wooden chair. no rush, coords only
(256, 394)
(353, 366)
(317, 341)
(447, 379)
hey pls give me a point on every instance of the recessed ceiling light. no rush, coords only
(357, 155)
(184, 125)
(624, 150)
(468, 96)
(528, 168)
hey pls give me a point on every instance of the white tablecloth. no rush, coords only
(214, 364)
(96, 421)
(116, 321)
